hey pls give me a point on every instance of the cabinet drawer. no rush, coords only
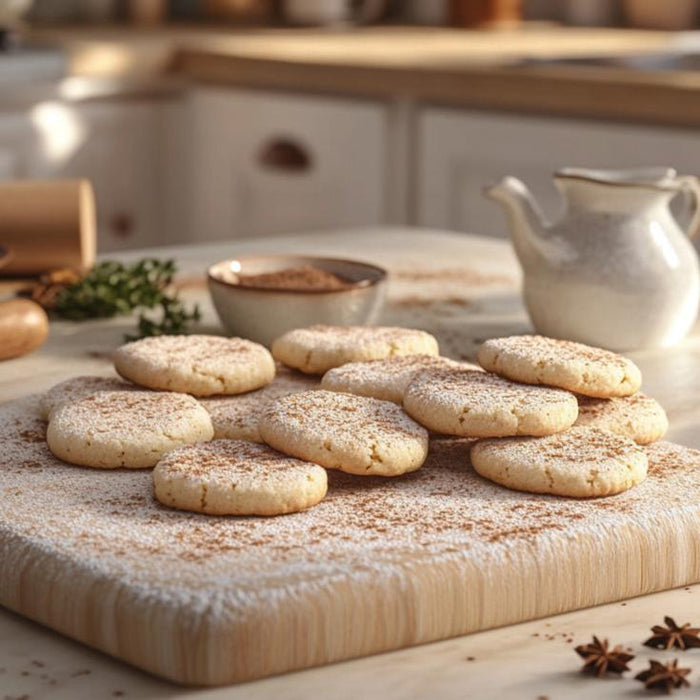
(265, 164)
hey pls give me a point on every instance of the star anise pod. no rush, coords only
(664, 676)
(684, 637)
(600, 659)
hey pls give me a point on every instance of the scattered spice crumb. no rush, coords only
(117, 693)
(471, 658)
(38, 664)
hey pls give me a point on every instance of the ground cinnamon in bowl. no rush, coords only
(303, 278)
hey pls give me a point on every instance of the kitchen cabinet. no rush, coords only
(16, 141)
(459, 152)
(117, 146)
(271, 163)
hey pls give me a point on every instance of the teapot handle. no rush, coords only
(690, 186)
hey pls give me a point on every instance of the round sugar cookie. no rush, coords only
(77, 388)
(580, 463)
(201, 365)
(131, 429)
(637, 417)
(472, 403)
(535, 359)
(233, 477)
(355, 434)
(237, 417)
(317, 349)
(384, 379)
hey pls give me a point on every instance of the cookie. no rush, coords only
(233, 477)
(317, 349)
(131, 429)
(637, 417)
(580, 463)
(201, 365)
(535, 359)
(237, 417)
(383, 379)
(354, 434)
(77, 388)
(472, 403)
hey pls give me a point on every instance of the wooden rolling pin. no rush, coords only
(24, 327)
(47, 226)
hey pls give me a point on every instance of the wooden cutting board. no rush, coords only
(379, 565)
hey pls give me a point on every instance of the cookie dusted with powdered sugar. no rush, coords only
(78, 388)
(237, 417)
(233, 477)
(384, 379)
(317, 349)
(355, 434)
(201, 365)
(472, 403)
(131, 429)
(637, 417)
(580, 463)
(535, 359)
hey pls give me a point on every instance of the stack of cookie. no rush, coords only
(550, 416)
(178, 393)
(230, 432)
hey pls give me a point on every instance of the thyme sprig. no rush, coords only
(114, 289)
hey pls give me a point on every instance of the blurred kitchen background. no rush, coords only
(202, 120)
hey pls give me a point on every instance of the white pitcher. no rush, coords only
(616, 271)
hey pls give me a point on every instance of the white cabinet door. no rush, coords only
(116, 145)
(16, 140)
(461, 152)
(266, 164)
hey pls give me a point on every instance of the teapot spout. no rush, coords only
(528, 225)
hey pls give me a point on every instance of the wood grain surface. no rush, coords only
(380, 564)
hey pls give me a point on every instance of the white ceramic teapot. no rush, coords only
(616, 271)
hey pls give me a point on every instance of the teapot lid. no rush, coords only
(654, 178)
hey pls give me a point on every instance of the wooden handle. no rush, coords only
(47, 225)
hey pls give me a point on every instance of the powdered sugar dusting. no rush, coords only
(384, 379)
(237, 417)
(108, 523)
(79, 387)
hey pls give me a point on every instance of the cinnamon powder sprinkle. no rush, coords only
(107, 522)
(304, 278)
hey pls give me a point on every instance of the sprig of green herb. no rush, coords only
(113, 289)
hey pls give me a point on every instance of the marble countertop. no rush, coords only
(464, 289)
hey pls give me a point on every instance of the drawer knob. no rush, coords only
(285, 155)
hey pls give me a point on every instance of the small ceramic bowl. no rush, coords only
(262, 314)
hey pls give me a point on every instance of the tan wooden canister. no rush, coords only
(47, 225)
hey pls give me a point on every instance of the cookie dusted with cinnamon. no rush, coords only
(535, 359)
(316, 349)
(232, 477)
(472, 403)
(384, 379)
(237, 417)
(201, 365)
(637, 417)
(78, 388)
(354, 434)
(580, 463)
(132, 429)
